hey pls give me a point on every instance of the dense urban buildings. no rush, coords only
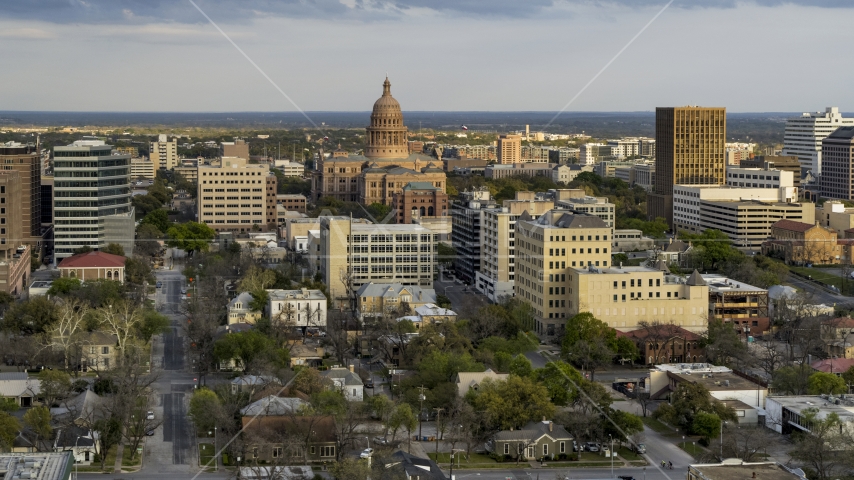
(25, 159)
(14, 249)
(804, 135)
(237, 196)
(420, 200)
(509, 149)
(92, 206)
(238, 148)
(837, 159)
(548, 250)
(689, 150)
(788, 163)
(466, 218)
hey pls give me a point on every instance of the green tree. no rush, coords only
(521, 366)
(443, 301)
(144, 204)
(825, 449)
(723, 344)
(621, 425)
(350, 469)
(511, 403)
(825, 383)
(64, 286)
(687, 401)
(190, 237)
(203, 407)
(8, 405)
(55, 386)
(153, 323)
(158, 219)
(714, 247)
(706, 425)
(138, 271)
(32, 316)
(9, 428)
(37, 419)
(109, 434)
(446, 253)
(114, 249)
(308, 381)
(250, 348)
(146, 240)
(792, 380)
(848, 376)
(402, 418)
(561, 381)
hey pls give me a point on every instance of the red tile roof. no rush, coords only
(93, 260)
(841, 322)
(792, 225)
(661, 331)
(835, 365)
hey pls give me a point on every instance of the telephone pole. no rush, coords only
(421, 398)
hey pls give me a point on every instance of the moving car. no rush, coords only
(640, 448)
(366, 453)
(150, 433)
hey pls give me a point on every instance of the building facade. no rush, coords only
(689, 150)
(297, 308)
(92, 206)
(496, 171)
(738, 176)
(293, 202)
(785, 163)
(742, 305)
(466, 217)
(14, 251)
(837, 152)
(420, 200)
(548, 252)
(497, 272)
(379, 185)
(236, 196)
(238, 148)
(804, 135)
(142, 168)
(25, 160)
(801, 243)
(509, 149)
(163, 153)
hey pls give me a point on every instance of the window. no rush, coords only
(327, 451)
(562, 447)
(506, 449)
(545, 449)
(105, 350)
(277, 452)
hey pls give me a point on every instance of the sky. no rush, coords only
(440, 55)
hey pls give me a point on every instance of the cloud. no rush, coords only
(244, 11)
(26, 33)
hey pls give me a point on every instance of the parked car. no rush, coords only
(369, 385)
(183, 289)
(640, 448)
(625, 477)
(366, 453)
(381, 441)
(592, 447)
(150, 433)
(159, 284)
(149, 415)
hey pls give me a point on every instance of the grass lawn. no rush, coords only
(206, 454)
(126, 461)
(657, 426)
(825, 277)
(627, 454)
(692, 448)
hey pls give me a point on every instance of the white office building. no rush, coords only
(163, 153)
(758, 178)
(804, 135)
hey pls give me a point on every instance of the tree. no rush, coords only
(158, 219)
(308, 381)
(521, 366)
(825, 383)
(115, 249)
(723, 345)
(713, 246)
(621, 425)
(109, 435)
(153, 323)
(37, 419)
(443, 301)
(826, 447)
(190, 237)
(64, 286)
(146, 240)
(9, 428)
(590, 354)
(33, 316)
(55, 386)
(122, 320)
(63, 335)
(9, 405)
(511, 403)
(446, 254)
(350, 469)
(706, 425)
(792, 380)
(252, 349)
(687, 401)
(256, 279)
(138, 271)
(203, 407)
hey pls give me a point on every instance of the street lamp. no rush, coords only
(611, 453)
(722, 439)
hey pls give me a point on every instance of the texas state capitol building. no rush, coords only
(386, 166)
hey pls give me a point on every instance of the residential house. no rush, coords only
(306, 355)
(19, 387)
(288, 439)
(836, 366)
(274, 405)
(82, 410)
(471, 380)
(721, 382)
(347, 381)
(390, 349)
(676, 252)
(375, 299)
(251, 383)
(240, 309)
(416, 468)
(836, 334)
(80, 441)
(298, 308)
(93, 266)
(666, 343)
(801, 243)
(537, 440)
(435, 314)
(98, 351)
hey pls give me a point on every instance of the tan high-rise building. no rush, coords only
(163, 153)
(14, 253)
(689, 150)
(238, 148)
(25, 160)
(236, 196)
(509, 149)
(548, 252)
(498, 243)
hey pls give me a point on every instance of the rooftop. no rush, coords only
(832, 365)
(792, 225)
(722, 284)
(303, 294)
(717, 381)
(93, 260)
(825, 404)
(692, 367)
(37, 466)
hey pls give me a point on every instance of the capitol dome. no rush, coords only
(387, 136)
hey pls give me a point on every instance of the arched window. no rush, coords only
(116, 274)
(429, 211)
(109, 274)
(72, 274)
(422, 211)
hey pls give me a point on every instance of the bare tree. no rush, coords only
(121, 320)
(64, 333)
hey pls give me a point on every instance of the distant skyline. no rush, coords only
(440, 55)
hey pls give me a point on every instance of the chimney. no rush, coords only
(551, 426)
(351, 368)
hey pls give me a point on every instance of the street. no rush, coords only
(819, 294)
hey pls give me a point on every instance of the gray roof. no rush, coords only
(533, 432)
(676, 246)
(82, 407)
(846, 133)
(344, 374)
(420, 186)
(401, 171)
(273, 405)
(416, 467)
(695, 279)
(13, 376)
(392, 290)
(29, 387)
(557, 218)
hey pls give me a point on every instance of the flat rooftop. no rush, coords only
(696, 368)
(722, 284)
(741, 471)
(825, 405)
(37, 466)
(720, 381)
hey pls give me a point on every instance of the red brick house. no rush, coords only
(93, 266)
(665, 343)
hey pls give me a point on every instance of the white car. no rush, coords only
(149, 415)
(366, 453)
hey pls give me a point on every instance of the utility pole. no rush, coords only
(421, 398)
(439, 411)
